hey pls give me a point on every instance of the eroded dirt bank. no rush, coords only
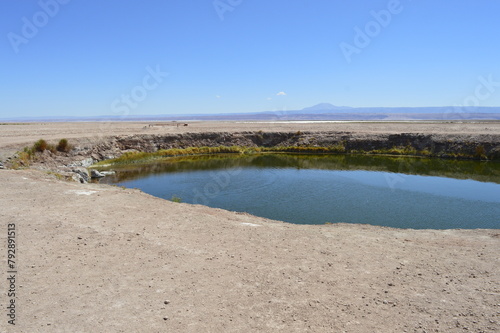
(466, 146)
(95, 258)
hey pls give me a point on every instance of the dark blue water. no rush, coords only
(308, 195)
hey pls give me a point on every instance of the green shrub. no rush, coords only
(40, 146)
(63, 146)
(176, 199)
(23, 159)
(132, 157)
(29, 152)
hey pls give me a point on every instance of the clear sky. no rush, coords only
(95, 57)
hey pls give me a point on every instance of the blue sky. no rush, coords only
(85, 58)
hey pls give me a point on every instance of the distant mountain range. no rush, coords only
(326, 107)
(322, 111)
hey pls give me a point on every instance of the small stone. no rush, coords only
(165, 318)
(166, 302)
(78, 178)
(83, 173)
(96, 174)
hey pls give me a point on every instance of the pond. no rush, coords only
(398, 192)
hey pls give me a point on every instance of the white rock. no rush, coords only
(96, 174)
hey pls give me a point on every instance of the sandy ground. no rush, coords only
(97, 258)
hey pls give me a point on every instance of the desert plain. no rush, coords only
(99, 258)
